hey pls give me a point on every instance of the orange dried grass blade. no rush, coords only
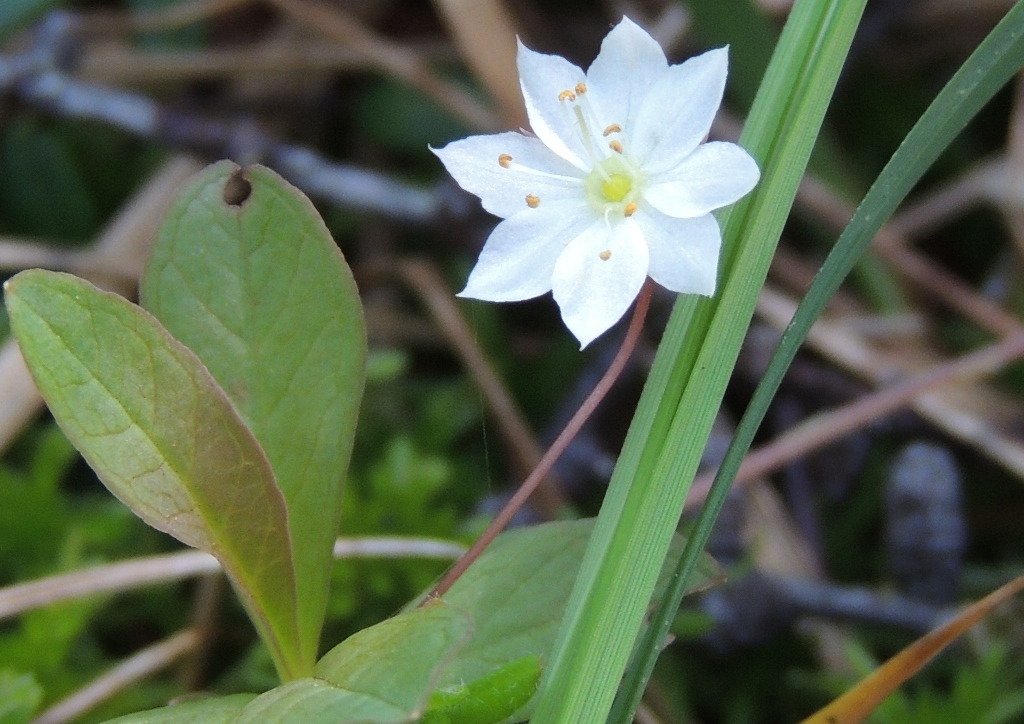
(862, 699)
(485, 33)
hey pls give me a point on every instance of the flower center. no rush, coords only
(617, 186)
(612, 187)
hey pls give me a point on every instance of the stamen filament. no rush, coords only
(587, 143)
(512, 165)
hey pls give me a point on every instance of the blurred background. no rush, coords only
(876, 503)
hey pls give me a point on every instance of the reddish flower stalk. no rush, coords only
(557, 448)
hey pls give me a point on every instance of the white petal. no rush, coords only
(676, 115)
(684, 252)
(714, 175)
(542, 79)
(629, 64)
(473, 162)
(593, 293)
(519, 257)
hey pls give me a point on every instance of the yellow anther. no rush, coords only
(567, 95)
(532, 201)
(614, 128)
(615, 146)
(581, 88)
(605, 255)
(504, 160)
(630, 209)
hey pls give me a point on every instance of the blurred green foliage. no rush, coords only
(20, 696)
(46, 528)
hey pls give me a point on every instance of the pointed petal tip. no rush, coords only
(584, 338)
(628, 22)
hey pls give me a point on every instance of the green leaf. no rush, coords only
(397, 659)
(488, 700)
(162, 436)
(315, 701)
(381, 674)
(517, 592)
(505, 610)
(475, 653)
(247, 276)
(218, 710)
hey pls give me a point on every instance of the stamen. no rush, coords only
(532, 201)
(630, 209)
(605, 255)
(563, 180)
(585, 137)
(567, 95)
(615, 146)
(504, 160)
(614, 128)
(581, 88)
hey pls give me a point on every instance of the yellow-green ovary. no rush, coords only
(616, 187)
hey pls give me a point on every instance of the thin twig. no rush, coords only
(823, 428)
(557, 447)
(155, 21)
(926, 276)
(137, 572)
(1015, 131)
(125, 65)
(130, 671)
(942, 205)
(933, 280)
(206, 604)
(20, 401)
(393, 58)
(485, 33)
(342, 184)
(426, 281)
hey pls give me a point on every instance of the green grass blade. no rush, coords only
(985, 72)
(688, 380)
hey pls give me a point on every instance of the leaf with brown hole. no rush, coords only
(245, 274)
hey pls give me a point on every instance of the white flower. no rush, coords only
(615, 187)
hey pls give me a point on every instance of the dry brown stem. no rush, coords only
(485, 32)
(424, 279)
(572, 428)
(135, 668)
(916, 388)
(394, 58)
